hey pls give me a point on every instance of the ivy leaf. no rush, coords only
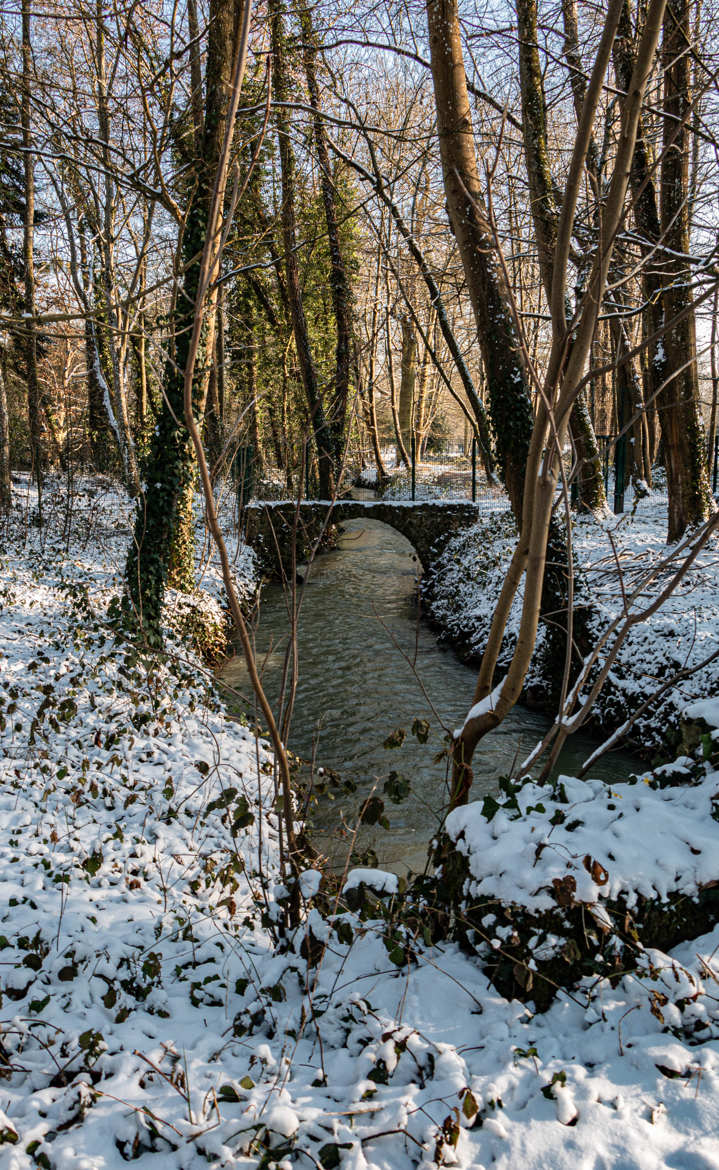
(242, 817)
(420, 728)
(371, 811)
(396, 787)
(224, 801)
(396, 739)
(470, 1108)
(228, 1093)
(330, 1156)
(559, 1078)
(92, 863)
(490, 808)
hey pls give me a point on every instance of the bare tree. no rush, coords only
(562, 379)
(30, 325)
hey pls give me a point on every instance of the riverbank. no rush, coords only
(613, 555)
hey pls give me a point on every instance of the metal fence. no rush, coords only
(450, 472)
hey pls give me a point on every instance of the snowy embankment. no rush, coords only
(152, 1013)
(613, 556)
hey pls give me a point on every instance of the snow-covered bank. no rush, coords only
(612, 556)
(150, 1015)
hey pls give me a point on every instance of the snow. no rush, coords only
(463, 583)
(483, 707)
(310, 883)
(377, 879)
(704, 709)
(540, 834)
(156, 1010)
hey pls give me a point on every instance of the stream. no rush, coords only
(369, 667)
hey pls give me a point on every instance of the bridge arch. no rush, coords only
(426, 524)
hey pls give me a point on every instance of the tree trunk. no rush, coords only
(319, 422)
(629, 391)
(402, 454)
(669, 342)
(100, 414)
(421, 415)
(408, 377)
(163, 530)
(107, 272)
(29, 340)
(505, 370)
(139, 349)
(545, 216)
(339, 278)
(371, 420)
(690, 500)
(715, 385)
(5, 480)
(215, 410)
(196, 103)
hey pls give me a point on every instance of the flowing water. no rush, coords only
(368, 667)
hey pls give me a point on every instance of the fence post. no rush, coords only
(244, 475)
(474, 469)
(620, 465)
(605, 459)
(413, 456)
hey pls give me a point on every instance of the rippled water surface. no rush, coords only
(367, 667)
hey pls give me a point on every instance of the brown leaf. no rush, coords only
(597, 870)
(524, 976)
(564, 889)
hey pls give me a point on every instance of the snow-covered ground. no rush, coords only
(152, 1009)
(613, 556)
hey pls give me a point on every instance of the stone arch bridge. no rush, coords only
(427, 525)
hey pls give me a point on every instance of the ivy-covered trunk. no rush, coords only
(163, 536)
(215, 409)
